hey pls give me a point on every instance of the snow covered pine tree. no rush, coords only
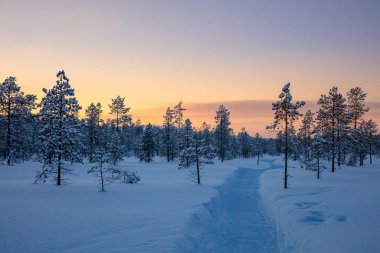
(195, 156)
(286, 112)
(60, 136)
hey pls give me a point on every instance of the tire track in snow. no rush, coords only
(233, 221)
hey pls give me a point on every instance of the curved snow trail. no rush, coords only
(233, 221)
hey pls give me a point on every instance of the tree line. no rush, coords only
(337, 133)
(52, 132)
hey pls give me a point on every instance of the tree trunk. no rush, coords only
(286, 151)
(8, 149)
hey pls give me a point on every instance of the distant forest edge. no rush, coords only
(50, 131)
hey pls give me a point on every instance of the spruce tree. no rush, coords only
(286, 112)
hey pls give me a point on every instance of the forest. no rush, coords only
(52, 132)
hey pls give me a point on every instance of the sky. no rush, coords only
(202, 52)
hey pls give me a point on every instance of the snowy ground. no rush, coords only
(338, 213)
(168, 213)
(151, 216)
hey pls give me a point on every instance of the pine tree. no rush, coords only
(355, 104)
(317, 152)
(195, 156)
(305, 132)
(332, 120)
(119, 109)
(258, 146)
(222, 131)
(15, 115)
(60, 128)
(206, 134)
(286, 112)
(148, 145)
(169, 135)
(371, 128)
(93, 113)
(114, 146)
(186, 136)
(244, 142)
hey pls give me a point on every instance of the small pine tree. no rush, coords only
(258, 146)
(195, 156)
(105, 175)
(244, 142)
(114, 147)
(148, 145)
(317, 151)
(93, 113)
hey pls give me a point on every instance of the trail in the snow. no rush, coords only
(234, 220)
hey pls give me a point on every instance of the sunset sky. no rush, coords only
(156, 53)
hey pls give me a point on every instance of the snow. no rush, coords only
(240, 207)
(338, 213)
(146, 217)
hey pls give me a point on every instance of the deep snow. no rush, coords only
(240, 207)
(338, 213)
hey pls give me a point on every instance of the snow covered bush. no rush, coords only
(130, 177)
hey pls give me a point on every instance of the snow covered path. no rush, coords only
(234, 220)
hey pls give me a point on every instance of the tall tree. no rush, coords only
(119, 109)
(222, 131)
(60, 132)
(332, 120)
(15, 112)
(286, 112)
